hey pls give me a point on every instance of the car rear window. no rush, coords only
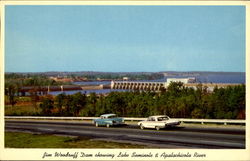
(163, 118)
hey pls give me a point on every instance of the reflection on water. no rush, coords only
(102, 91)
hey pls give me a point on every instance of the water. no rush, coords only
(222, 78)
(217, 77)
(102, 91)
(200, 78)
(92, 83)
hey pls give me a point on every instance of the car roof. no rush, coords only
(107, 115)
(159, 116)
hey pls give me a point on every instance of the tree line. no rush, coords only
(43, 78)
(177, 101)
(14, 82)
(20, 80)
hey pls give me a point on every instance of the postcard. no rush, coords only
(124, 80)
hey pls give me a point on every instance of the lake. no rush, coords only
(201, 77)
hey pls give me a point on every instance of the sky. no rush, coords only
(124, 38)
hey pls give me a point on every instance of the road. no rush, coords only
(178, 137)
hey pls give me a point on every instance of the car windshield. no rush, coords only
(163, 118)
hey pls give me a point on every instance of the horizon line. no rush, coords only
(130, 71)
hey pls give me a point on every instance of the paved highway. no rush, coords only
(179, 137)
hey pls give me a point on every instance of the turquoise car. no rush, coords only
(108, 120)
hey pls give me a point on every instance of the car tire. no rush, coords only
(141, 126)
(96, 124)
(107, 125)
(157, 128)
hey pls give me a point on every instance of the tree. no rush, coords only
(100, 105)
(11, 90)
(67, 104)
(60, 102)
(175, 88)
(47, 106)
(78, 103)
(34, 97)
(92, 100)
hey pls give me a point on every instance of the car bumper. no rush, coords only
(173, 124)
(118, 124)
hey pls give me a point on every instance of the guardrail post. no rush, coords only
(225, 123)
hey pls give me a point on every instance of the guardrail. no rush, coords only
(183, 120)
(216, 121)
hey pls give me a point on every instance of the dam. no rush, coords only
(123, 85)
(158, 86)
(145, 85)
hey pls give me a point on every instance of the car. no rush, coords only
(158, 122)
(108, 120)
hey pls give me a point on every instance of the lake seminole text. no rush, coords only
(165, 155)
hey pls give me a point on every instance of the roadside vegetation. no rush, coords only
(28, 140)
(177, 101)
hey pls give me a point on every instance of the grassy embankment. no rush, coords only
(27, 140)
(22, 110)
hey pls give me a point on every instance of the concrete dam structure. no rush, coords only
(152, 86)
(155, 86)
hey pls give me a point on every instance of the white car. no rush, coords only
(158, 122)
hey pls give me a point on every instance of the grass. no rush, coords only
(21, 110)
(28, 140)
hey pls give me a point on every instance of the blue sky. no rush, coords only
(124, 38)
